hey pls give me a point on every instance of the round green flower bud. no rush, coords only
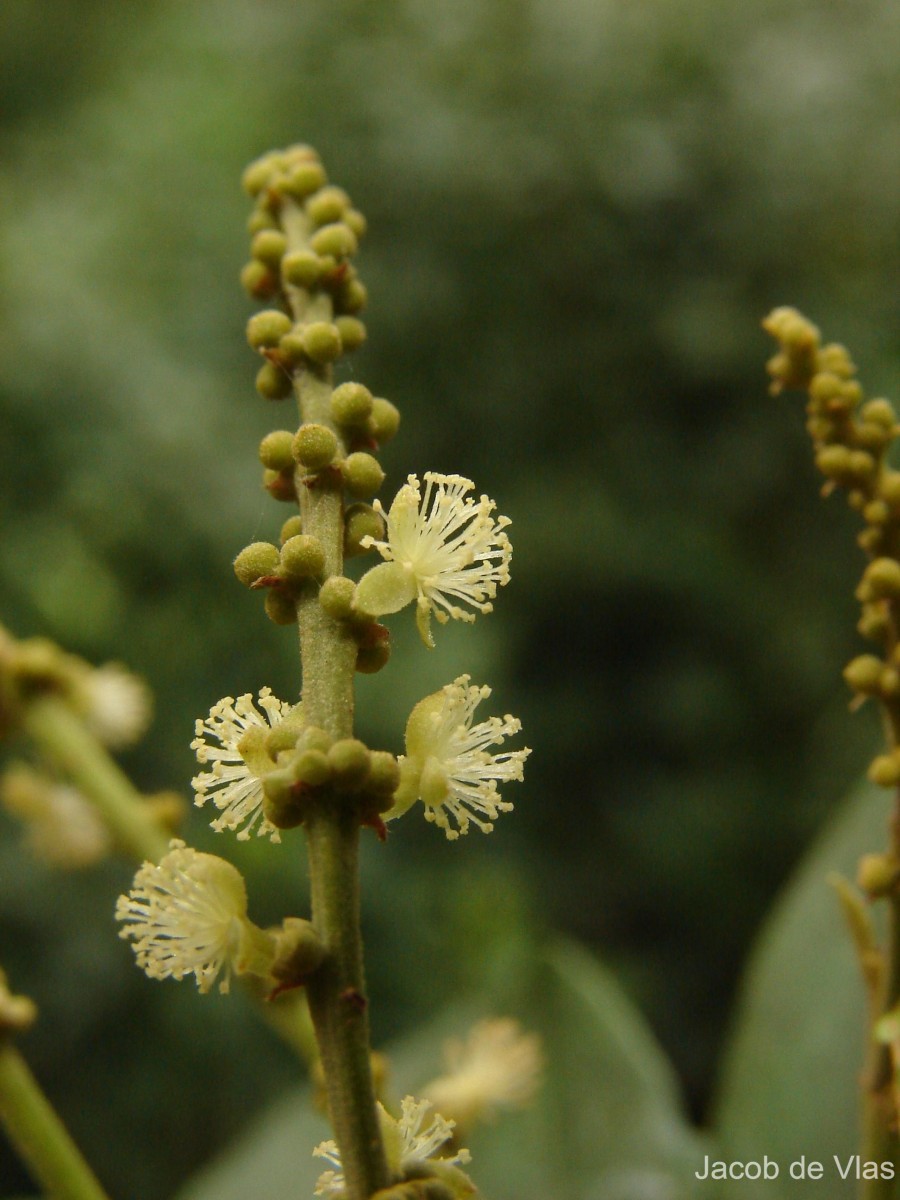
(255, 561)
(351, 404)
(862, 465)
(889, 487)
(374, 648)
(362, 474)
(871, 540)
(301, 268)
(273, 382)
(275, 450)
(312, 768)
(303, 179)
(352, 331)
(885, 770)
(291, 528)
(361, 521)
(314, 446)
(337, 240)
(352, 296)
(863, 673)
(298, 952)
(385, 420)
(256, 176)
(260, 219)
(259, 281)
(336, 596)
(327, 206)
(877, 874)
(873, 436)
(281, 805)
(291, 348)
(883, 579)
(302, 556)
(356, 221)
(879, 412)
(283, 736)
(889, 684)
(280, 607)
(384, 773)
(317, 739)
(280, 485)
(873, 624)
(834, 461)
(876, 512)
(322, 342)
(277, 786)
(268, 246)
(349, 762)
(266, 329)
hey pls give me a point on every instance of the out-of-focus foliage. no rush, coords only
(578, 214)
(793, 1096)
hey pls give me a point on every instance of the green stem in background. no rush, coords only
(336, 992)
(76, 752)
(39, 1136)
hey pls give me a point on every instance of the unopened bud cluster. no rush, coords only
(851, 439)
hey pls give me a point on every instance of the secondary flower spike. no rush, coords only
(187, 915)
(409, 1149)
(240, 761)
(448, 764)
(442, 546)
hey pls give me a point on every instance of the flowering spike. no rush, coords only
(188, 916)
(448, 765)
(240, 761)
(442, 546)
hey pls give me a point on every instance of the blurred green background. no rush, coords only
(579, 213)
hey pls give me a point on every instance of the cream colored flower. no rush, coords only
(187, 915)
(496, 1067)
(442, 546)
(408, 1147)
(448, 765)
(240, 761)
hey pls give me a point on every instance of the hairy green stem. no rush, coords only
(68, 743)
(337, 995)
(39, 1136)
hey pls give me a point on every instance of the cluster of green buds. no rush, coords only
(851, 438)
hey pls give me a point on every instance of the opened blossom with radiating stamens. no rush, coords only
(442, 546)
(496, 1067)
(408, 1148)
(240, 761)
(187, 915)
(449, 765)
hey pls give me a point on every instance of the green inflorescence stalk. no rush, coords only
(328, 647)
(38, 1134)
(851, 438)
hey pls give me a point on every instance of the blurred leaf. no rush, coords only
(791, 1082)
(608, 1122)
